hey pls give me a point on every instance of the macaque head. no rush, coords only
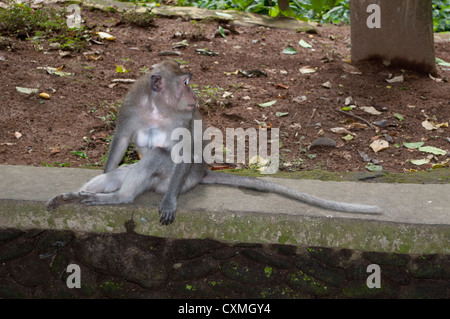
(170, 85)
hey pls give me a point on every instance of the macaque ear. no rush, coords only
(156, 82)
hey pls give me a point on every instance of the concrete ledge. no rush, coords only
(416, 218)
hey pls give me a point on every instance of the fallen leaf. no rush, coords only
(289, 51)
(295, 126)
(304, 44)
(356, 126)
(104, 35)
(267, 104)
(347, 137)
(17, 135)
(281, 114)
(231, 73)
(26, 90)
(299, 99)
(55, 150)
(340, 130)
(121, 69)
(263, 125)
(442, 62)
(379, 145)
(399, 117)
(420, 162)
(413, 144)
(433, 126)
(182, 44)
(432, 150)
(94, 57)
(227, 94)
(370, 110)
(307, 70)
(351, 69)
(281, 86)
(327, 85)
(206, 52)
(396, 79)
(374, 168)
(55, 71)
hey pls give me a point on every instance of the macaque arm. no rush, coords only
(119, 146)
(168, 206)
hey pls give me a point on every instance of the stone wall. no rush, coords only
(33, 264)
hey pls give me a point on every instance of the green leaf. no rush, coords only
(413, 145)
(432, 150)
(304, 44)
(267, 104)
(374, 168)
(442, 62)
(420, 162)
(222, 33)
(289, 50)
(121, 69)
(281, 114)
(347, 137)
(26, 90)
(80, 154)
(399, 117)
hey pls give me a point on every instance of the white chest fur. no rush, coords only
(152, 137)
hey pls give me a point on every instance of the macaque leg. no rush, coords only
(104, 183)
(138, 179)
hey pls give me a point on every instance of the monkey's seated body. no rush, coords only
(156, 105)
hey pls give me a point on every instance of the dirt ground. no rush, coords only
(77, 117)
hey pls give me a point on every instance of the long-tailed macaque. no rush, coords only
(157, 104)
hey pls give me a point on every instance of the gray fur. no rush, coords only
(150, 108)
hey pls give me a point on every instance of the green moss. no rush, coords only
(308, 284)
(268, 271)
(112, 288)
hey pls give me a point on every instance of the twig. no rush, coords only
(356, 117)
(312, 115)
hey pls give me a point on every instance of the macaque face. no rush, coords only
(172, 87)
(186, 98)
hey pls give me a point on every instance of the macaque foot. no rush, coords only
(62, 199)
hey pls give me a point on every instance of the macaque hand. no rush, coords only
(167, 210)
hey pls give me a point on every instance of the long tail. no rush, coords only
(213, 177)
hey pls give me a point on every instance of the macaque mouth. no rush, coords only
(191, 106)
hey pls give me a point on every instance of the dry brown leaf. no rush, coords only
(379, 145)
